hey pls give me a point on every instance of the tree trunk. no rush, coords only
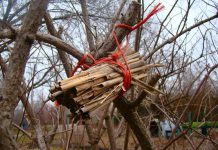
(121, 103)
(135, 123)
(15, 72)
(129, 19)
(92, 140)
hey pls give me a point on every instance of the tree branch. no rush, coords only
(63, 57)
(41, 37)
(89, 36)
(172, 39)
(129, 19)
(154, 79)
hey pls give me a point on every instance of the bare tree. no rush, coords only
(39, 46)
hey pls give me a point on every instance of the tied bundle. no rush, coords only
(105, 80)
(92, 89)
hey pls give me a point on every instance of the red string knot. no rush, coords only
(116, 56)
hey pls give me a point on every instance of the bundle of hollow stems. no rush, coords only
(90, 90)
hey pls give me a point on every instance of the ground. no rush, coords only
(79, 139)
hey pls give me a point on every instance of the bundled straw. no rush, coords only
(98, 86)
(90, 90)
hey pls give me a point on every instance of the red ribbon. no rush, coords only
(113, 59)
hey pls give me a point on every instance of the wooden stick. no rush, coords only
(108, 83)
(137, 64)
(96, 105)
(81, 74)
(94, 110)
(146, 86)
(133, 60)
(53, 95)
(82, 80)
(115, 90)
(86, 73)
(145, 67)
(98, 68)
(85, 96)
(89, 84)
(129, 51)
(135, 55)
(104, 95)
(54, 88)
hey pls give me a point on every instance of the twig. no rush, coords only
(172, 39)
(25, 132)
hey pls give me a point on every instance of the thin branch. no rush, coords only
(21, 129)
(87, 23)
(172, 39)
(190, 101)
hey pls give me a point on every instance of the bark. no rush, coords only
(23, 131)
(152, 82)
(75, 14)
(135, 123)
(110, 132)
(129, 19)
(3, 66)
(59, 44)
(100, 123)
(16, 68)
(67, 67)
(120, 128)
(128, 110)
(63, 57)
(139, 30)
(115, 18)
(92, 141)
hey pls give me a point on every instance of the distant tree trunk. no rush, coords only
(89, 36)
(35, 122)
(110, 131)
(15, 72)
